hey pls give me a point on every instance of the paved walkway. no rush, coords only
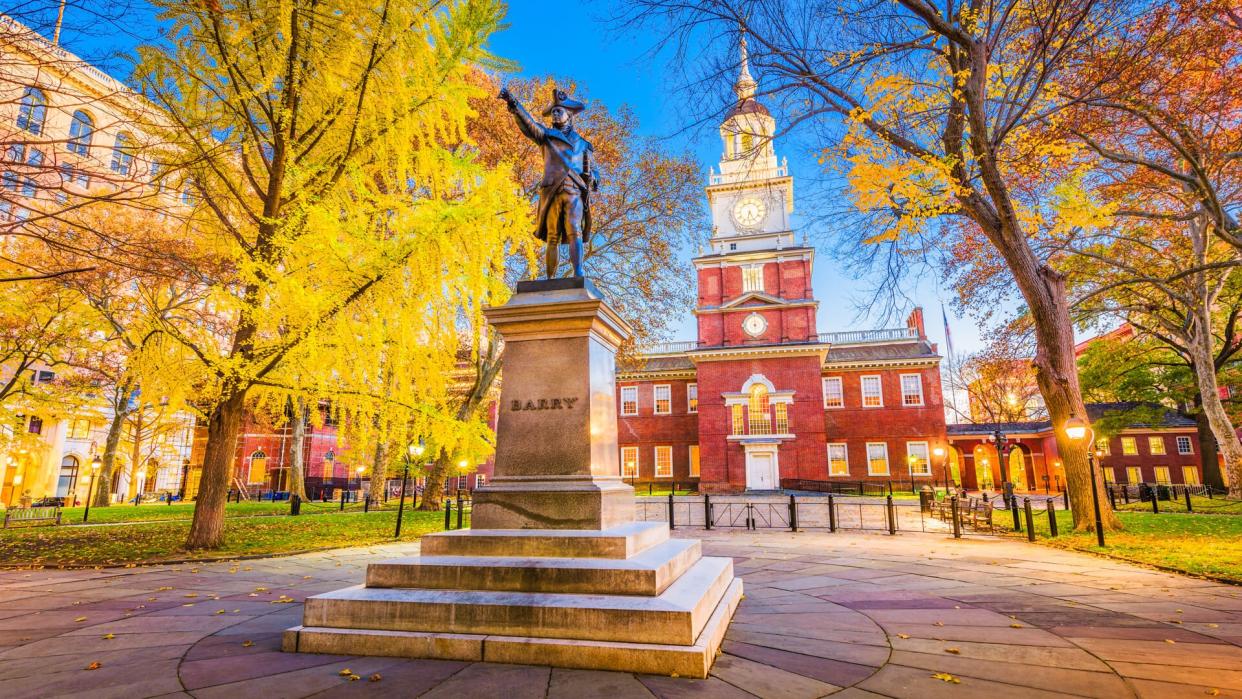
(848, 614)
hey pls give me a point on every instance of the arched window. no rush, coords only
(258, 467)
(81, 129)
(68, 477)
(760, 418)
(123, 154)
(32, 111)
(748, 143)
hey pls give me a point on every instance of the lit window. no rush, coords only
(738, 426)
(759, 417)
(782, 418)
(694, 461)
(663, 462)
(838, 460)
(1162, 475)
(1156, 445)
(692, 398)
(1190, 475)
(663, 399)
(872, 392)
(1110, 475)
(877, 459)
(81, 429)
(1183, 446)
(911, 389)
(917, 455)
(258, 467)
(32, 112)
(1129, 446)
(834, 394)
(1101, 447)
(629, 400)
(1134, 474)
(80, 131)
(122, 154)
(752, 278)
(629, 462)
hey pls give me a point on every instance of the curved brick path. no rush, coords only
(853, 615)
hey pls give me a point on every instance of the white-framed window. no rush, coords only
(1102, 447)
(1134, 474)
(912, 389)
(759, 417)
(629, 400)
(1162, 475)
(1184, 446)
(694, 461)
(737, 422)
(629, 462)
(877, 458)
(663, 462)
(752, 278)
(692, 398)
(1129, 446)
(1110, 475)
(1155, 445)
(838, 460)
(782, 417)
(663, 399)
(80, 131)
(872, 392)
(834, 392)
(1190, 475)
(122, 154)
(919, 457)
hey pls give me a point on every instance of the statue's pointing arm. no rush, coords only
(526, 123)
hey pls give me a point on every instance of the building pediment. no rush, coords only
(753, 298)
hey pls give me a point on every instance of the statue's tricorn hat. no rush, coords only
(560, 98)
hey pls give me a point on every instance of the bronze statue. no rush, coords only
(564, 216)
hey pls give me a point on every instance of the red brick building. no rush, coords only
(761, 396)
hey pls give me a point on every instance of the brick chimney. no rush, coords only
(915, 322)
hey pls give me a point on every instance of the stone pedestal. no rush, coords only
(555, 570)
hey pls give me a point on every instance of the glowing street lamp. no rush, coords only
(413, 451)
(1079, 432)
(939, 453)
(90, 485)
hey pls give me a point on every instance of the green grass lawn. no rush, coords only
(1200, 503)
(1191, 543)
(148, 543)
(185, 511)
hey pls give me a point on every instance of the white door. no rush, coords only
(761, 470)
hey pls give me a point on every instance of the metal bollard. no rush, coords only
(1052, 518)
(832, 514)
(707, 512)
(461, 510)
(1030, 519)
(671, 524)
(1013, 507)
(1065, 497)
(1155, 502)
(1189, 507)
(295, 505)
(342, 501)
(793, 514)
(957, 520)
(448, 515)
(892, 516)
(1125, 493)
(366, 504)
(1112, 496)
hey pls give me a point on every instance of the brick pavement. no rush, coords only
(848, 614)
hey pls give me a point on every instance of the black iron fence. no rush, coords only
(792, 513)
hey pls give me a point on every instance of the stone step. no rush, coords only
(647, 573)
(649, 658)
(618, 542)
(675, 616)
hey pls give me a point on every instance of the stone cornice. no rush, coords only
(763, 307)
(664, 374)
(855, 365)
(721, 354)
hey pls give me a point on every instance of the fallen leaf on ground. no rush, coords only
(1169, 640)
(1015, 626)
(1213, 692)
(903, 635)
(346, 672)
(954, 651)
(247, 644)
(109, 636)
(94, 666)
(375, 678)
(354, 678)
(80, 619)
(946, 677)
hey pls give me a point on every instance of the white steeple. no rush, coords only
(745, 85)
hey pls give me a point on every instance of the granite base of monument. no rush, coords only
(556, 570)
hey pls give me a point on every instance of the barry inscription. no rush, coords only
(544, 404)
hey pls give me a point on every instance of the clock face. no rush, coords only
(754, 325)
(749, 211)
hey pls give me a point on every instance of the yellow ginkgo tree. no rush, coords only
(311, 141)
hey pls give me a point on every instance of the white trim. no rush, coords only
(846, 451)
(634, 451)
(888, 466)
(624, 413)
(692, 407)
(926, 459)
(901, 384)
(656, 464)
(862, 389)
(840, 382)
(655, 399)
(1190, 447)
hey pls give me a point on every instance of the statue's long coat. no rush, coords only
(562, 150)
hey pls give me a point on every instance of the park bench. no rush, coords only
(980, 516)
(31, 515)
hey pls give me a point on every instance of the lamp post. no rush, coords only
(359, 471)
(1006, 490)
(462, 465)
(1079, 432)
(90, 486)
(939, 453)
(411, 452)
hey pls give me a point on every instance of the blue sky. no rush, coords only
(574, 40)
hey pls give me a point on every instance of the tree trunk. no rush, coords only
(1208, 453)
(135, 457)
(297, 467)
(1222, 427)
(103, 480)
(433, 489)
(223, 424)
(379, 469)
